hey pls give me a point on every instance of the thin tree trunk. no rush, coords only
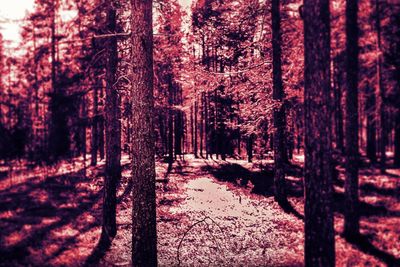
(239, 141)
(144, 232)
(113, 132)
(319, 232)
(36, 76)
(217, 140)
(351, 221)
(279, 112)
(370, 108)
(249, 148)
(397, 139)
(95, 126)
(178, 132)
(196, 110)
(207, 129)
(170, 138)
(101, 136)
(83, 134)
(203, 125)
(381, 90)
(338, 108)
(192, 130)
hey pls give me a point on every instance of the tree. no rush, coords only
(391, 57)
(167, 66)
(113, 130)
(381, 88)
(351, 225)
(279, 111)
(144, 232)
(319, 232)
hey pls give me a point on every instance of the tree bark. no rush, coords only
(192, 130)
(196, 109)
(170, 138)
(338, 106)
(113, 131)
(249, 148)
(351, 221)
(144, 232)
(101, 136)
(319, 232)
(381, 90)
(207, 127)
(370, 106)
(95, 126)
(279, 112)
(397, 139)
(203, 124)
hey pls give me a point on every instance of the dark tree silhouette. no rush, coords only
(351, 226)
(279, 111)
(381, 89)
(113, 130)
(144, 232)
(319, 232)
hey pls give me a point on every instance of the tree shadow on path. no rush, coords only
(261, 180)
(362, 243)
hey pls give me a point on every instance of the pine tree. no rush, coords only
(144, 232)
(279, 111)
(113, 129)
(351, 226)
(319, 233)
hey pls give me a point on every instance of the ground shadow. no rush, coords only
(371, 189)
(261, 180)
(362, 243)
(365, 209)
(39, 210)
(98, 252)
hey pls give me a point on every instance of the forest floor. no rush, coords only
(209, 213)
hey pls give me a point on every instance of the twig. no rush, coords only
(191, 227)
(184, 235)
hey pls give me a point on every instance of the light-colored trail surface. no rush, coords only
(206, 218)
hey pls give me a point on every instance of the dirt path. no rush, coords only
(210, 213)
(214, 223)
(208, 219)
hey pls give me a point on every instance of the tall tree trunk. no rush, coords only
(53, 47)
(196, 110)
(397, 139)
(370, 106)
(178, 133)
(249, 148)
(192, 129)
(207, 138)
(351, 216)
(83, 133)
(279, 112)
(101, 136)
(239, 141)
(381, 90)
(319, 232)
(58, 131)
(170, 138)
(215, 120)
(95, 125)
(338, 107)
(113, 131)
(144, 232)
(202, 124)
(35, 76)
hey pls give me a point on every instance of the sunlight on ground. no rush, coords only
(205, 216)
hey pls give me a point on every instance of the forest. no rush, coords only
(200, 133)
